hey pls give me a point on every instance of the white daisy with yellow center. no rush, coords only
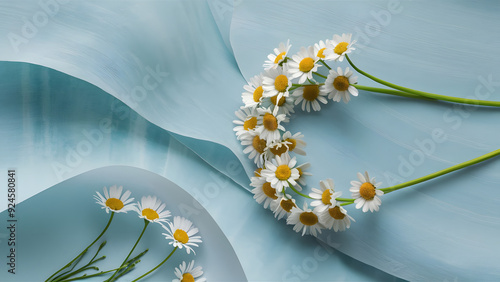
(281, 172)
(276, 81)
(263, 192)
(305, 220)
(339, 85)
(280, 53)
(303, 174)
(182, 233)
(114, 200)
(320, 49)
(288, 143)
(303, 64)
(270, 125)
(252, 97)
(325, 196)
(283, 105)
(282, 207)
(246, 123)
(255, 147)
(365, 193)
(342, 45)
(310, 96)
(152, 209)
(335, 217)
(188, 273)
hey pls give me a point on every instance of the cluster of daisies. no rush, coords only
(269, 99)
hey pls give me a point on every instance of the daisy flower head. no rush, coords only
(339, 85)
(263, 192)
(188, 273)
(274, 60)
(342, 45)
(305, 220)
(246, 123)
(288, 143)
(276, 81)
(253, 92)
(281, 172)
(365, 193)
(279, 104)
(310, 96)
(114, 200)
(152, 209)
(303, 64)
(335, 217)
(282, 207)
(303, 173)
(182, 232)
(270, 125)
(255, 147)
(321, 47)
(324, 197)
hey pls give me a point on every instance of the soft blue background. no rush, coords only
(442, 230)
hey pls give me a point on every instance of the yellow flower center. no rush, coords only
(279, 57)
(181, 236)
(281, 101)
(269, 191)
(311, 92)
(283, 172)
(367, 191)
(187, 277)
(257, 94)
(150, 214)
(306, 64)
(293, 143)
(257, 172)
(336, 213)
(326, 197)
(281, 83)
(300, 172)
(250, 123)
(259, 144)
(341, 83)
(320, 53)
(270, 122)
(308, 218)
(114, 204)
(341, 48)
(287, 204)
(278, 150)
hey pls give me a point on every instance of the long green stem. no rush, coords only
(344, 200)
(426, 94)
(442, 172)
(320, 75)
(147, 273)
(390, 91)
(325, 64)
(299, 193)
(86, 249)
(146, 222)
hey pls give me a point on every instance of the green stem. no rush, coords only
(389, 91)
(324, 63)
(344, 200)
(146, 222)
(442, 172)
(320, 75)
(426, 94)
(299, 193)
(86, 249)
(147, 273)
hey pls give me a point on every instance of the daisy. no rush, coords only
(283, 206)
(310, 96)
(325, 197)
(339, 84)
(114, 200)
(365, 193)
(247, 122)
(181, 233)
(276, 81)
(281, 172)
(152, 209)
(342, 45)
(253, 92)
(278, 56)
(270, 125)
(255, 147)
(288, 143)
(303, 174)
(188, 273)
(303, 64)
(321, 47)
(306, 220)
(282, 106)
(263, 192)
(335, 217)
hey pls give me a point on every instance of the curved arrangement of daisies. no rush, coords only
(180, 233)
(269, 99)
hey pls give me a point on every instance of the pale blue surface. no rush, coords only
(441, 230)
